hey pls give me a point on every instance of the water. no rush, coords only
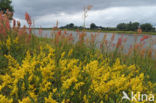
(131, 38)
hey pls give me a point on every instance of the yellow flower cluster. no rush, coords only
(42, 79)
(8, 43)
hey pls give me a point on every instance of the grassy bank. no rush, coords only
(50, 70)
(105, 31)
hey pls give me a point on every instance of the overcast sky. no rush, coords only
(106, 13)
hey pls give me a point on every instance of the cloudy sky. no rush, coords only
(106, 13)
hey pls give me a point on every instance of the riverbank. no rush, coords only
(104, 31)
(119, 32)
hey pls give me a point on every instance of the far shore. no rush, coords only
(104, 31)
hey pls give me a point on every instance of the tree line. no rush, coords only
(131, 26)
(147, 27)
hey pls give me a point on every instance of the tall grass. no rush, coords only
(66, 69)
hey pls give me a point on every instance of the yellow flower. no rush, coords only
(68, 82)
(16, 40)
(3, 99)
(78, 85)
(25, 100)
(8, 43)
(54, 90)
(63, 54)
(70, 52)
(50, 100)
(85, 99)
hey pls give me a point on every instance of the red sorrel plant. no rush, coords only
(28, 19)
(119, 42)
(40, 31)
(112, 38)
(144, 38)
(4, 24)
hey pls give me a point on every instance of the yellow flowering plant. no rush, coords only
(40, 79)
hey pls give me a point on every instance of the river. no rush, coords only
(131, 38)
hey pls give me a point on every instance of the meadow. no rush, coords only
(36, 69)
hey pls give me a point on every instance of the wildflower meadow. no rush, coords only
(58, 69)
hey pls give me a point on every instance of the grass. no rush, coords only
(106, 31)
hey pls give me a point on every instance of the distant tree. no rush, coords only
(93, 26)
(71, 25)
(6, 5)
(135, 26)
(122, 26)
(132, 26)
(128, 26)
(146, 27)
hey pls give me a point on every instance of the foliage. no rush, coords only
(128, 27)
(39, 79)
(147, 27)
(62, 69)
(6, 7)
(93, 26)
(6, 4)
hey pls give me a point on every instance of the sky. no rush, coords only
(107, 13)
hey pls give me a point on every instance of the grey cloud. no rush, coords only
(44, 7)
(42, 10)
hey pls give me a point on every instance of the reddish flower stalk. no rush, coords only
(104, 37)
(125, 40)
(14, 23)
(130, 50)
(18, 24)
(112, 38)
(144, 38)
(28, 19)
(4, 24)
(65, 32)
(101, 45)
(40, 31)
(81, 36)
(106, 42)
(119, 42)
(136, 46)
(93, 37)
(150, 52)
(71, 37)
(59, 33)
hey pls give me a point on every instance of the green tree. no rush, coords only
(135, 26)
(128, 26)
(147, 27)
(122, 26)
(71, 25)
(132, 26)
(6, 5)
(93, 26)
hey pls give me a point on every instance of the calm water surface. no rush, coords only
(150, 42)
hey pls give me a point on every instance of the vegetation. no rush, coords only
(61, 69)
(6, 4)
(147, 27)
(6, 8)
(122, 27)
(128, 27)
